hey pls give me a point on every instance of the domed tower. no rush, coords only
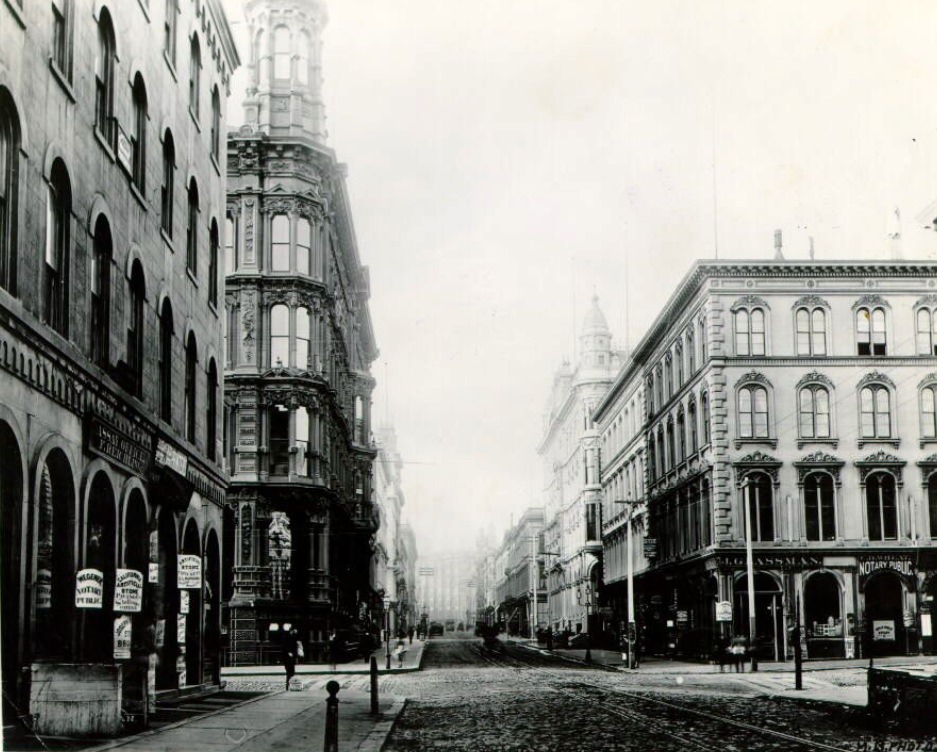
(595, 339)
(299, 348)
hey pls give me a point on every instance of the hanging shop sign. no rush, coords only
(89, 588)
(153, 573)
(44, 588)
(724, 611)
(650, 548)
(189, 571)
(128, 591)
(168, 456)
(180, 628)
(105, 440)
(183, 601)
(900, 564)
(883, 629)
(124, 150)
(123, 626)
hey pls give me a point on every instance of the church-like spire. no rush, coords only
(595, 338)
(284, 96)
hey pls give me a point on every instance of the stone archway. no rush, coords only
(166, 603)
(100, 549)
(11, 606)
(212, 591)
(769, 615)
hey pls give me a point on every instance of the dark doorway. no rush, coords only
(11, 607)
(884, 613)
(769, 616)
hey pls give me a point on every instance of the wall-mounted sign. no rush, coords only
(168, 456)
(122, 632)
(682, 616)
(724, 611)
(107, 441)
(89, 588)
(154, 546)
(154, 573)
(180, 628)
(901, 564)
(44, 588)
(883, 630)
(183, 601)
(124, 150)
(650, 548)
(189, 571)
(926, 629)
(128, 591)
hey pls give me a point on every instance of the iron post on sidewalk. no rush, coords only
(331, 717)
(374, 697)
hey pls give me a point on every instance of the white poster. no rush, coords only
(183, 601)
(180, 629)
(128, 591)
(154, 573)
(883, 630)
(724, 611)
(122, 632)
(160, 637)
(44, 588)
(89, 588)
(926, 630)
(189, 574)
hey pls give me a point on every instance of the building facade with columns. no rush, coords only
(299, 348)
(569, 451)
(111, 477)
(789, 405)
(520, 589)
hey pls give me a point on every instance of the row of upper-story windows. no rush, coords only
(813, 330)
(296, 245)
(624, 428)
(682, 360)
(680, 437)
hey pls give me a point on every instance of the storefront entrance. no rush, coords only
(884, 614)
(769, 615)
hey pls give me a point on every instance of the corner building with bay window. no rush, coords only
(806, 391)
(297, 359)
(111, 477)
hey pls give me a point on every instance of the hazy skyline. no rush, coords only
(504, 157)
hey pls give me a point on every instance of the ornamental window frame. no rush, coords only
(752, 384)
(815, 383)
(747, 340)
(872, 465)
(871, 320)
(765, 468)
(925, 339)
(805, 314)
(872, 387)
(927, 409)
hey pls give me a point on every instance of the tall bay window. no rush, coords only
(101, 291)
(303, 246)
(280, 243)
(58, 240)
(9, 162)
(104, 79)
(302, 442)
(302, 59)
(761, 500)
(881, 506)
(281, 53)
(279, 426)
(870, 331)
(302, 338)
(819, 507)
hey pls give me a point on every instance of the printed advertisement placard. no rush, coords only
(180, 628)
(160, 637)
(122, 633)
(153, 577)
(883, 630)
(44, 588)
(128, 591)
(189, 572)
(89, 588)
(183, 601)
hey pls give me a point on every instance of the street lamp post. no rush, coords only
(749, 565)
(632, 629)
(588, 626)
(387, 631)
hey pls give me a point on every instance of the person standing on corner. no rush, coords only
(290, 649)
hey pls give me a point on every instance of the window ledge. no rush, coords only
(801, 443)
(928, 441)
(17, 13)
(141, 199)
(104, 145)
(191, 275)
(891, 442)
(214, 162)
(63, 81)
(167, 239)
(773, 443)
(194, 119)
(171, 66)
(213, 307)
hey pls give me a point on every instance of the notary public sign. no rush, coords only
(128, 591)
(89, 588)
(189, 572)
(901, 564)
(650, 548)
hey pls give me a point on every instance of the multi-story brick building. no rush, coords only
(299, 349)
(520, 587)
(800, 394)
(111, 483)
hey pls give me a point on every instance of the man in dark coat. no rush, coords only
(290, 650)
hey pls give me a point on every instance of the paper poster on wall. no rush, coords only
(883, 630)
(128, 591)
(183, 601)
(89, 588)
(44, 588)
(180, 629)
(724, 611)
(926, 629)
(122, 633)
(160, 636)
(154, 547)
(189, 571)
(153, 577)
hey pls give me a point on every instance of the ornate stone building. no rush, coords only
(801, 394)
(297, 358)
(111, 482)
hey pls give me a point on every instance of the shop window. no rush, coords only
(811, 331)
(280, 243)
(881, 506)
(822, 604)
(875, 412)
(819, 507)
(870, 331)
(279, 440)
(814, 402)
(932, 504)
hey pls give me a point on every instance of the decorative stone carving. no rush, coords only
(249, 231)
(757, 458)
(820, 457)
(819, 460)
(247, 325)
(749, 301)
(876, 377)
(927, 300)
(815, 377)
(928, 379)
(870, 301)
(879, 460)
(810, 301)
(279, 206)
(753, 377)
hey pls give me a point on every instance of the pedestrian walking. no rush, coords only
(410, 634)
(333, 648)
(737, 651)
(400, 651)
(291, 648)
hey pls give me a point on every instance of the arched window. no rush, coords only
(678, 364)
(101, 291)
(281, 53)
(870, 331)
(191, 233)
(135, 333)
(302, 441)
(169, 174)
(704, 412)
(822, 606)
(671, 446)
(230, 243)
(652, 458)
(165, 361)
(881, 506)
(302, 338)
(661, 454)
(280, 243)
(58, 242)
(705, 512)
(191, 364)
(9, 184)
(681, 438)
(690, 353)
(811, 331)
(213, 264)
(703, 342)
(215, 124)
(668, 377)
(279, 336)
(195, 71)
(138, 140)
(659, 383)
(819, 507)
(104, 79)
(875, 412)
(929, 411)
(303, 240)
(814, 402)
(302, 61)
(692, 433)
(169, 30)
(211, 410)
(926, 331)
(761, 499)
(750, 331)
(651, 407)
(63, 11)
(753, 412)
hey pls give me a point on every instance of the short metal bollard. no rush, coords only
(374, 696)
(331, 717)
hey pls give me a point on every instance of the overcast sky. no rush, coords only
(507, 156)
